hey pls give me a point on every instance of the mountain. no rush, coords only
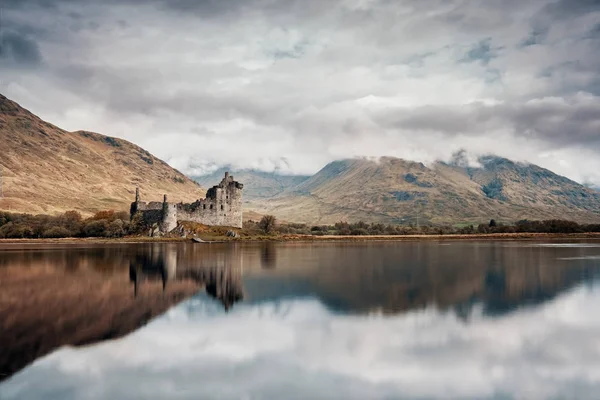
(393, 190)
(49, 170)
(257, 184)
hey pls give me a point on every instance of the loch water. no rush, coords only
(339, 320)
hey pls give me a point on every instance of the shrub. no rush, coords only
(391, 230)
(95, 228)
(57, 232)
(467, 230)
(115, 229)
(107, 215)
(342, 228)
(137, 224)
(4, 229)
(72, 221)
(11, 230)
(284, 229)
(110, 215)
(267, 223)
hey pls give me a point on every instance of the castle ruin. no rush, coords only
(221, 207)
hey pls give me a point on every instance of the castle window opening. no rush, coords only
(211, 206)
(205, 206)
(221, 207)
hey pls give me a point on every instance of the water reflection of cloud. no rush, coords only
(300, 349)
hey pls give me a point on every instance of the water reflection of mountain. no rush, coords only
(506, 289)
(396, 277)
(55, 295)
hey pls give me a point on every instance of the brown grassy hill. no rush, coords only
(399, 191)
(49, 170)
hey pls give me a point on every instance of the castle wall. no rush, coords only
(153, 205)
(152, 216)
(221, 207)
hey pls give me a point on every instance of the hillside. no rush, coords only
(257, 184)
(398, 191)
(49, 170)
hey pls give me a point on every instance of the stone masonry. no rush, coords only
(222, 206)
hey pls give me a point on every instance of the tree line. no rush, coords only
(114, 224)
(268, 224)
(70, 224)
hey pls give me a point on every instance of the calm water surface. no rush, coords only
(374, 320)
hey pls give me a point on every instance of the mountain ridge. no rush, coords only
(393, 190)
(49, 170)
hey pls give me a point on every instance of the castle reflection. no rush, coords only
(349, 277)
(219, 272)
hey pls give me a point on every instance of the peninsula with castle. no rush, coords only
(221, 207)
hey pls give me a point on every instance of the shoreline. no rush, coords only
(317, 238)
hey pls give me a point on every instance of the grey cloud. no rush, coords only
(19, 50)
(564, 8)
(126, 92)
(482, 52)
(206, 8)
(551, 120)
(314, 78)
(537, 36)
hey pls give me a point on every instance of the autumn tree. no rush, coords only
(267, 223)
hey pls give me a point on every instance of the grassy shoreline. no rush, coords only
(319, 238)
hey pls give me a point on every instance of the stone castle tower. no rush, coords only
(222, 206)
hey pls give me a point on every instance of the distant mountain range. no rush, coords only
(393, 190)
(257, 184)
(48, 170)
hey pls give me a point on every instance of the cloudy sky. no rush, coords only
(294, 84)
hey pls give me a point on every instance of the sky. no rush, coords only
(291, 85)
